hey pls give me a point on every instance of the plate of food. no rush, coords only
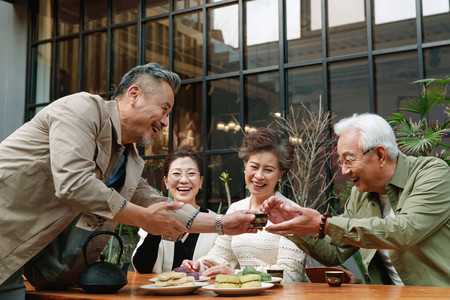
(174, 290)
(200, 278)
(173, 283)
(238, 285)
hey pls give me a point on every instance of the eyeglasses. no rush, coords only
(349, 162)
(191, 175)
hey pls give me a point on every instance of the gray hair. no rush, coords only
(374, 131)
(141, 75)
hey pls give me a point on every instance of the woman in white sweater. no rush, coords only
(267, 156)
(183, 178)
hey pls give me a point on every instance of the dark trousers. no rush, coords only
(14, 287)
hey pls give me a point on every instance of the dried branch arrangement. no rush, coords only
(309, 178)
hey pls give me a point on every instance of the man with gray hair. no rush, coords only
(397, 214)
(74, 166)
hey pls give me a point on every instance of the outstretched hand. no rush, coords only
(238, 222)
(155, 219)
(290, 219)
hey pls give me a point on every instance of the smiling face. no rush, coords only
(145, 115)
(183, 180)
(262, 173)
(365, 172)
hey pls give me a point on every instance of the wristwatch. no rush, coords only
(219, 224)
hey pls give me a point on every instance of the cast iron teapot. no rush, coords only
(103, 277)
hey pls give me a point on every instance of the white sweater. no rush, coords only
(261, 251)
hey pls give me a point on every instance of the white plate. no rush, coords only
(173, 290)
(275, 280)
(201, 278)
(239, 291)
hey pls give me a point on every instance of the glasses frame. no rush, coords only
(349, 162)
(190, 175)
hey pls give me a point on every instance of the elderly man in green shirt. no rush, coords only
(397, 214)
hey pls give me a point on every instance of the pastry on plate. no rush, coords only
(227, 281)
(250, 280)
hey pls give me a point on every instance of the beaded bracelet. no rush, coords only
(188, 225)
(323, 220)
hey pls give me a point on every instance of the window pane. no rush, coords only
(305, 86)
(124, 53)
(67, 68)
(95, 64)
(95, 13)
(44, 20)
(124, 11)
(153, 173)
(349, 88)
(393, 76)
(188, 45)
(304, 30)
(262, 99)
(347, 32)
(261, 34)
(182, 4)
(156, 7)
(436, 20)
(394, 23)
(216, 193)
(223, 39)
(68, 17)
(187, 124)
(223, 115)
(43, 70)
(157, 42)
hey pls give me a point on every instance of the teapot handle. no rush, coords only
(98, 233)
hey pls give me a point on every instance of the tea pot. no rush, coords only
(103, 277)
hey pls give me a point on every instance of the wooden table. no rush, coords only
(289, 290)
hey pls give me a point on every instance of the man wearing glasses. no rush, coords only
(397, 215)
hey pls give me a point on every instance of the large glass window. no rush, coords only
(241, 63)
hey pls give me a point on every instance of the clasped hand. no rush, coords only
(290, 219)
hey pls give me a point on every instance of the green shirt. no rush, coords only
(417, 239)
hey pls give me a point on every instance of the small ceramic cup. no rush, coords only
(275, 273)
(260, 220)
(334, 278)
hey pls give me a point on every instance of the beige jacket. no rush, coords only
(53, 167)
